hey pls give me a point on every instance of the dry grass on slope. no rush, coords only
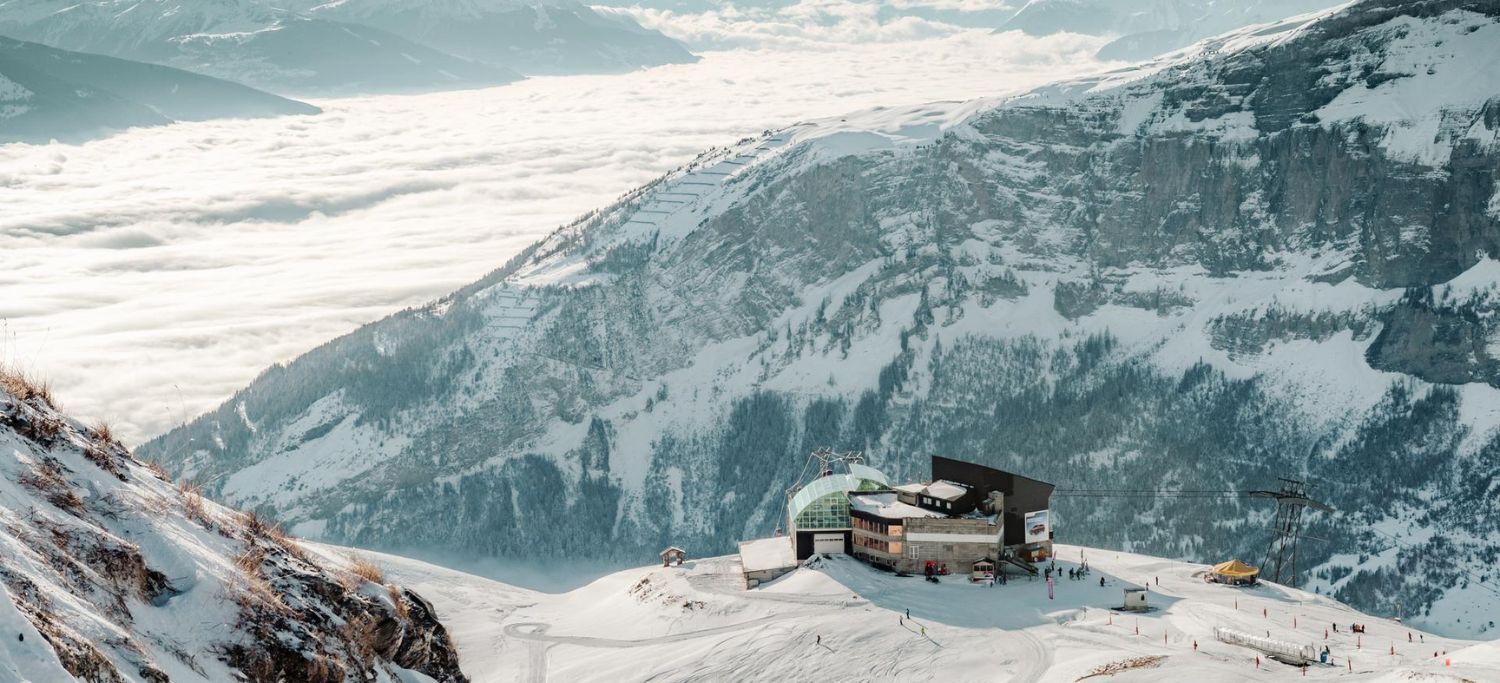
(26, 387)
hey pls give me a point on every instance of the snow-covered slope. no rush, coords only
(1146, 28)
(1272, 254)
(843, 621)
(110, 573)
(47, 93)
(530, 37)
(246, 41)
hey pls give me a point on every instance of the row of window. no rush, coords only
(888, 547)
(878, 527)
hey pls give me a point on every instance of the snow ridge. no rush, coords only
(109, 572)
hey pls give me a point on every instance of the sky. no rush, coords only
(151, 274)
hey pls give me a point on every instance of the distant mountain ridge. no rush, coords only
(47, 93)
(1146, 28)
(247, 41)
(348, 47)
(1272, 254)
(530, 37)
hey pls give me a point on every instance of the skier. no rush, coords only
(1195, 646)
(820, 639)
(1101, 582)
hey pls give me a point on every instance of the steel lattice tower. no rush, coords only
(1291, 501)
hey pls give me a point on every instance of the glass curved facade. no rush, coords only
(824, 503)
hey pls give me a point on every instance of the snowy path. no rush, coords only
(538, 631)
(1036, 656)
(540, 642)
(536, 660)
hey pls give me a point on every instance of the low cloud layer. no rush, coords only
(151, 274)
(821, 24)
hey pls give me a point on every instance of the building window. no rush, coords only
(894, 530)
(895, 547)
(831, 511)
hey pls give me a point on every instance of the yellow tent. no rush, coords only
(1235, 571)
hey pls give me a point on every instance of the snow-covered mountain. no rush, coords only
(47, 93)
(111, 573)
(1146, 28)
(246, 41)
(530, 37)
(1273, 254)
(839, 620)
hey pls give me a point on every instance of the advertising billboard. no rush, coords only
(1038, 526)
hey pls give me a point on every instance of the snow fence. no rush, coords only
(1281, 649)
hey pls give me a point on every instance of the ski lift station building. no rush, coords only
(964, 514)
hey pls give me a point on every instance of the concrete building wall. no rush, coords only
(753, 579)
(954, 542)
(957, 543)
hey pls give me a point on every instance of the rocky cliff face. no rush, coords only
(109, 572)
(1270, 256)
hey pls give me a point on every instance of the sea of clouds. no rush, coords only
(151, 274)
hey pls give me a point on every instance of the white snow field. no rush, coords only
(842, 620)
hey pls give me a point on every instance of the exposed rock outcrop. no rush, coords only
(119, 575)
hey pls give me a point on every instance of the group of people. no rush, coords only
(1076, 574)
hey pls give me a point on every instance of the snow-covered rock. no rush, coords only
(109, 572)
(1256, 257)
(47, 93)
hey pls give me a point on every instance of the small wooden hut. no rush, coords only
(673, 554)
